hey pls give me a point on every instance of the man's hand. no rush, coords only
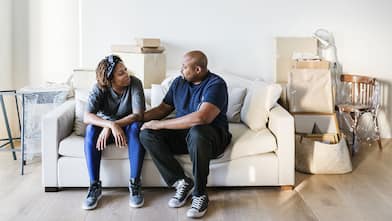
(118, 135)
(153, 125)
(102, 138)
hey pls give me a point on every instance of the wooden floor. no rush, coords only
(365, 194)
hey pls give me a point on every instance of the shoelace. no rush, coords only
(197, 201)
(180, 189)
(93, 190)
(135, 189)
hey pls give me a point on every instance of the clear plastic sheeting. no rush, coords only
(360, 125)
(36, 103)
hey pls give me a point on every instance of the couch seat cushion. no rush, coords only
(245, 142)
(73, 146)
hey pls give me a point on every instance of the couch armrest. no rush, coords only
(56, 125)
(281, 124)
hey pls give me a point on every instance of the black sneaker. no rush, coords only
(136, 199)
(199, 206)
(93, 196)
(184, 189)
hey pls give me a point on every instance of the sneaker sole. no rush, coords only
(137, 205)
(198, 215)
(93, 206)
(184, 201)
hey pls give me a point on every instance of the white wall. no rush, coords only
(238, 35)
(21, 42)
(5, 45)
(46, 41)
(6, 67)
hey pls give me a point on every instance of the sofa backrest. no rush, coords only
(260, 96)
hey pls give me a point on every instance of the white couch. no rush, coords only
(261, 152)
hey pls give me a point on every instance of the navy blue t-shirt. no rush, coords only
(187, 97)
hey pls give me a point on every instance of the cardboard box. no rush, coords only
(323, 138)
(136, 49)
(318, 157)
(324, 152)
(285, 48)
(310, 64)
(148, 42)
(310, 90)
(308, 123)
(149, 68)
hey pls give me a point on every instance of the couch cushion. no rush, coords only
(259, 100)
(73, 146)
(81, 97)
(245, 142)
(235, 102)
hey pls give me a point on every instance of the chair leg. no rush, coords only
(377, 132)
(7, 126)
(355, 144)
(379, 143)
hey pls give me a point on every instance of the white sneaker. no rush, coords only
(199, 206)
(183, 191)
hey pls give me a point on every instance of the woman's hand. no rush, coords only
(102, 138)
(119, 135)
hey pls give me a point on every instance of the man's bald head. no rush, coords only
(198, 58)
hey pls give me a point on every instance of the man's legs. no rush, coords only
(162, 146)
(203, 145)
(205, 142)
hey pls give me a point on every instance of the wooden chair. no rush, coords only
(363, 96)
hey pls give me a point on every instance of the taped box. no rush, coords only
(148, 42)
(310, 87)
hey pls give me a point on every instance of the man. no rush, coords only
(200, 129)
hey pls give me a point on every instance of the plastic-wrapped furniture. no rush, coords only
(360, 95)
(35, 103)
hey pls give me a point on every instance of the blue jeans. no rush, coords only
(93, 155)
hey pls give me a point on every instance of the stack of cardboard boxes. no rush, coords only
(320, 147)
(143, 45)
(145, 60)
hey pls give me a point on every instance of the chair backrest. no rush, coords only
(362, 89)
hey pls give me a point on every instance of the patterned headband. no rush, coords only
(112, 61)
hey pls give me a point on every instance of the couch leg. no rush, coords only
(51, 189)
(287, 187)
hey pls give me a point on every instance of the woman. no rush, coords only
(114, 111)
